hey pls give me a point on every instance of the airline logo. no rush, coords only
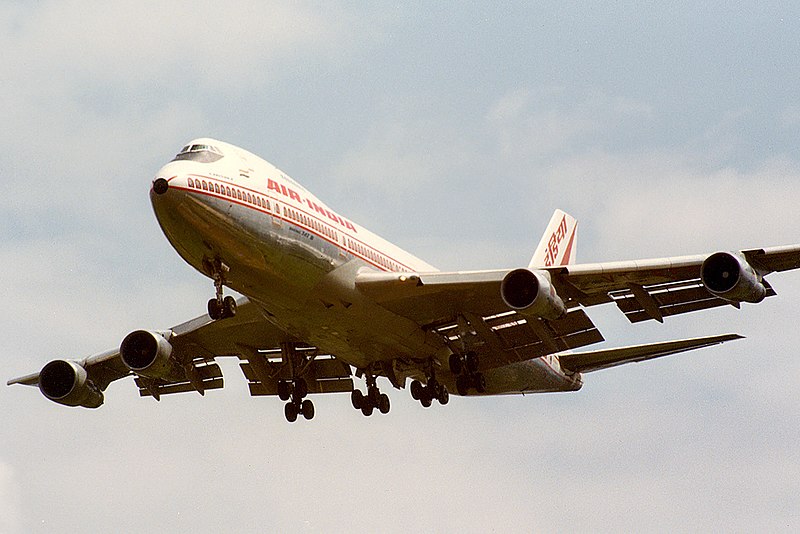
(554, 242)
(557, 246)
(288, 192)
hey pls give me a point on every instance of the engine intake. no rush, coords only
(531, 293)
(729, 276)
(67, 383)
(148, 354)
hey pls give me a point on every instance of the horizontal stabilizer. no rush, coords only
(585, 362)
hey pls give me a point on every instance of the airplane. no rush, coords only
(324, 300)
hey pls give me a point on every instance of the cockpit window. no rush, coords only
(199, 153)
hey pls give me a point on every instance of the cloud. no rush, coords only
(136, 44)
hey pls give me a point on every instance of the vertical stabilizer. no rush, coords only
(558, 243)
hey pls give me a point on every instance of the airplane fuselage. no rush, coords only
(297, 260)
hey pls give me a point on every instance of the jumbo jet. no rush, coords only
(324, 300)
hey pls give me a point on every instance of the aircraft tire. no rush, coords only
(357, 398)
(229, 307)
(462, 385)
(214, 310)
(416, 390)
(307, 408)
(366, 409)
(290, 411)
(383, 403)
(443, 396)
(426, 399)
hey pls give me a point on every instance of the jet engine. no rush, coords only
(66, 382)
(148, 354)
(729, 276)
(531, 293)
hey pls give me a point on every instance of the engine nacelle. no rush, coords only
(67, 383)
(148, 354)
(531, 293)
(728, 275)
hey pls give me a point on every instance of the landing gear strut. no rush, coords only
(220, 307)
(467, 375)
(373, 399)
(426, 394)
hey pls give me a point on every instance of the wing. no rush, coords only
(659, 288)
(190, 363)
(585, 362)
(643, 289)
(468, 306)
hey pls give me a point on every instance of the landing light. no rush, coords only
(160, 186)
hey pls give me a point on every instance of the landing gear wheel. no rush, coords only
(383, 403)
(357, 398)
(433, 387)
(228, 307)
(416, 390)
(290, 411)
(307, 408)
(462, 385)
(443, 396)
(366, 409)
(214, 309)
(373, 396)
(426, 399)
(284, 390)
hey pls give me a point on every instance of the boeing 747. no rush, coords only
(325, 300)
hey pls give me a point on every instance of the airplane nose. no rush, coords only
(160, 186)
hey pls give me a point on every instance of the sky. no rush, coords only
(452, 129)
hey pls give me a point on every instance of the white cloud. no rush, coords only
(135, 44)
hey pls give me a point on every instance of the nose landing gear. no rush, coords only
(220, 307)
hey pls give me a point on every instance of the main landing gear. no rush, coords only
(373, 399)
(465, 367)
(220, 307)
(295, 391)
(432, 389)
(426, 394)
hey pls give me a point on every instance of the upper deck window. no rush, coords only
(199, 153)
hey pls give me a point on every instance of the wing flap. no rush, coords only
(323, 374)
(509, 338)
(202, 375)
(585, 362)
